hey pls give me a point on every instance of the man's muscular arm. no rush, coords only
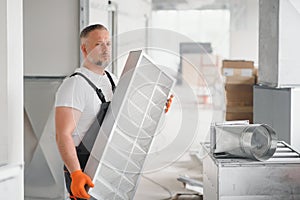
(66, 119)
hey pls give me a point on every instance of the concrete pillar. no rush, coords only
(279, 41)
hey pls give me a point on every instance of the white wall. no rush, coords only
(198, 25)
(244, 31)
(289, 42)
(295, 108)
(11, 99)
(3, 83)
(132, 15)
(51, 37)
(192, 26)
(129, 17)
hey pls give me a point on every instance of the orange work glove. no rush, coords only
(169, 102)
(79, 180)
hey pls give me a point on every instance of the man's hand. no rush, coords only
(79, 180)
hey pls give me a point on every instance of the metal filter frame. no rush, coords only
(126, 135)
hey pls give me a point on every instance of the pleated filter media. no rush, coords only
(127, 132)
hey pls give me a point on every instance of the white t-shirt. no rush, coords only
(75, 92)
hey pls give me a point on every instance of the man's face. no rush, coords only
(97, 47)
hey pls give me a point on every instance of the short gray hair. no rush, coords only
(85, 32)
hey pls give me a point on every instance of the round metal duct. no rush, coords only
(254, 141)
(259, 141)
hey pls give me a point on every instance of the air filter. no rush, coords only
(125, 137)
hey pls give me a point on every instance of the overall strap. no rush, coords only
(113, 86)
(98, 90)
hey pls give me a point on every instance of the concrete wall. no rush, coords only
(51, 37)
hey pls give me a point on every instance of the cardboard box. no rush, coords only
(239, 109)
(240, 80)
(239, 116)
(238, 92)
(239, 95)
(199, 68)
(239, 103)
(243, 97)
(209, 60)
(190, 74)
(239, 72)
(241, 88)
(210, 71)
(238, 64)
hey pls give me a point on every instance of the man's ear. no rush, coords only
(83, 50)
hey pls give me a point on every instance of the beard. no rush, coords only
(103, 64)
(99, 60)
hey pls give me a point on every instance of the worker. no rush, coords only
(77, 105)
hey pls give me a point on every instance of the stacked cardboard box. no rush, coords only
(199, 71)
(240, 76)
